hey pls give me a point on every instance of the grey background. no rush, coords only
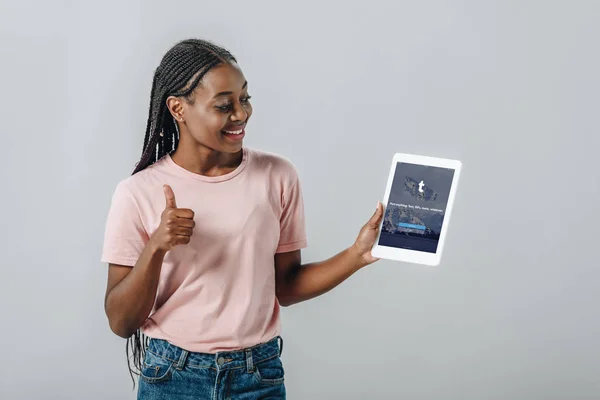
(511, 88)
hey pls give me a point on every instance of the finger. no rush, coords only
(181, 231)
(376, 218)
(185, 223)
(182, 239)
(169, 197)
(184, 213)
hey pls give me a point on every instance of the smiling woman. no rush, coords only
(198, 272)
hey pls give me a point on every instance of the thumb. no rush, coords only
(169, 197)
(376, 218)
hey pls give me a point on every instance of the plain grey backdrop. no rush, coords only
(511, 88)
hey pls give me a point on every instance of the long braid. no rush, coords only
(179, 73)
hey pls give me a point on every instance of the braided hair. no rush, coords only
(179, 73)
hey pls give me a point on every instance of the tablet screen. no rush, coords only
(416, 207)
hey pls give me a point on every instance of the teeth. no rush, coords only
(234, 132)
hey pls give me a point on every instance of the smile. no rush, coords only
(234, 132)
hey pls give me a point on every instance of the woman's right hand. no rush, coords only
(176, 224)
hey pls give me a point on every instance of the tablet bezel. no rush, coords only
(414, 256)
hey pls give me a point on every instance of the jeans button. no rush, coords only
(220, 361)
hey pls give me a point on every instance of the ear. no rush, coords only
(175, 107)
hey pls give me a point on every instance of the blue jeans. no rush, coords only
(170, 372)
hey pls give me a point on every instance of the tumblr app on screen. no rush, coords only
(416, 207)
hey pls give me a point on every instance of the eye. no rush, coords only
(227, 107)
(224, 107)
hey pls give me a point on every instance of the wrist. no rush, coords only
(155, 249)
(358, 261)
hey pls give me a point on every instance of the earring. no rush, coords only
(161, 134)
(177, 129)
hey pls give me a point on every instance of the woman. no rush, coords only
(204, 240)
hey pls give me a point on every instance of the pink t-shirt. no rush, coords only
(216, 293)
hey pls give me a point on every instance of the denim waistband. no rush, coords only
(221, 360)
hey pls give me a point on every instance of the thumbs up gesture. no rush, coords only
(176, 224)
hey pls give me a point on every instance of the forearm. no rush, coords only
(311, 280)
(130, 302)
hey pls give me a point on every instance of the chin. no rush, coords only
(231, 145)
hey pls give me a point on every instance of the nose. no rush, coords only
(239, 113)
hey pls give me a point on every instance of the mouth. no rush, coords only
(235, 133)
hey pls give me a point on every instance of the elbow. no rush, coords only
(120, 326)
(120, 329)
(286, 296)
(285, 301)
(121, 332)
(282, 299)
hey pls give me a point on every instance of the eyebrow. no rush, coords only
(228, 93)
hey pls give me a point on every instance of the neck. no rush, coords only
(203, 160)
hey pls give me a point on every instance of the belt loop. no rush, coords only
(249, 363)
(280, 339)
(182, 359)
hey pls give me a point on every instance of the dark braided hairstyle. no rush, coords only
(179, 73)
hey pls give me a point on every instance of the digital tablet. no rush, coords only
(417, 205)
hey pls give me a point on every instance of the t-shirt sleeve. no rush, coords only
(292, 225)
(124, 236)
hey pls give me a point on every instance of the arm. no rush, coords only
(296, 282)
(130, 292)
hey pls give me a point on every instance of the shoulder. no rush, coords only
(138, 185)
(276, 164)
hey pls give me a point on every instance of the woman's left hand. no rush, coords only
(367, 236)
